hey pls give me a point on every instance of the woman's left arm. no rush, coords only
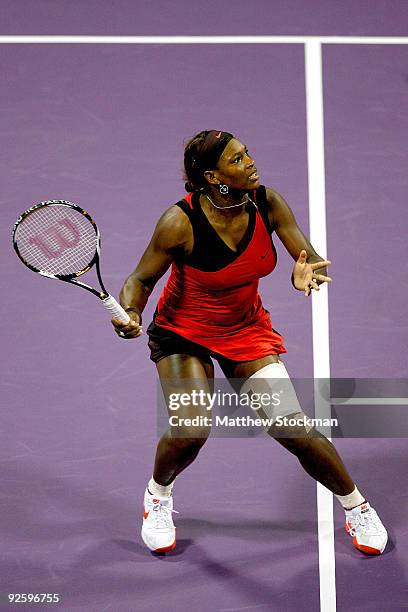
(306, 274)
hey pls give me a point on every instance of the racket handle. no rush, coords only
(115, 309)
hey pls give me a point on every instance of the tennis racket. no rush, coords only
(60, 240)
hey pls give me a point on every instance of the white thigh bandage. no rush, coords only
(270, 391)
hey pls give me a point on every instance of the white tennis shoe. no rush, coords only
(365, 527)
(158, 530)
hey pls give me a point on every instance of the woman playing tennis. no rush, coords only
(218, 241)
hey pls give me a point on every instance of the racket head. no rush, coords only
(57, 238)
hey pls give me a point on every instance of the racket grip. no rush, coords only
(115, 309)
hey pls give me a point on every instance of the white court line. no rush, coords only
(320, 306)
(207, 40)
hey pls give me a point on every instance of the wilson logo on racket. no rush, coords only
(52, 237)
(58, 239)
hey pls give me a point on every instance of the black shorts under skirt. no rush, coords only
(163, 342)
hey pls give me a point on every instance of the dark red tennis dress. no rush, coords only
(211, 297)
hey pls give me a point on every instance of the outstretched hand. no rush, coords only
(304, 275)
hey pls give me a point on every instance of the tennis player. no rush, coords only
(218, 241)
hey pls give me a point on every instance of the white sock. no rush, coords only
(351, 500)
(160, 490)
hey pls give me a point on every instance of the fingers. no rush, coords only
(321, 277)
(127, 331)
(302, 256)
(320, 264)
(312, 284)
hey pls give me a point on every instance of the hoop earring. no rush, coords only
(223, 189)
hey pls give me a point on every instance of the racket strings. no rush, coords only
(57, 239)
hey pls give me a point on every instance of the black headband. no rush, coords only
(212, 148)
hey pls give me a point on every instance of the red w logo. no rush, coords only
(63, 241)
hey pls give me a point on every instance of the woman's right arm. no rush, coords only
(172, 235)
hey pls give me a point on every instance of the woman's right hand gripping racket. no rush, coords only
(60, 240)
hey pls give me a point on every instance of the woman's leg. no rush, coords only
(319, 458)
(177, 448)
(180, 445)
(316, 454)
(321, 461)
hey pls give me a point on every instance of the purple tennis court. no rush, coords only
(103, 125)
